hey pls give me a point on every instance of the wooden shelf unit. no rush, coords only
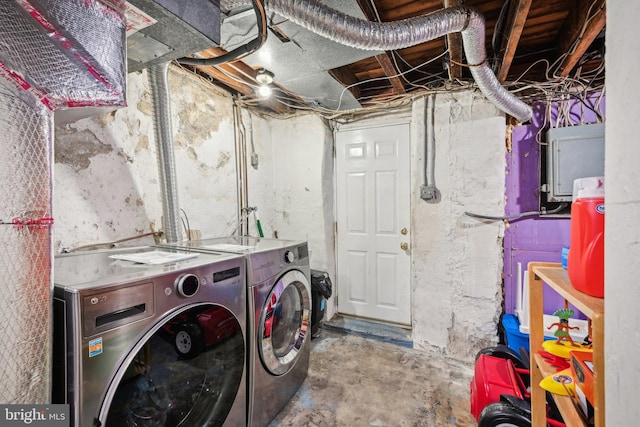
(556, 277)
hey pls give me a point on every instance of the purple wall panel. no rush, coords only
(535, 238)
(522, 171)
(541, 234)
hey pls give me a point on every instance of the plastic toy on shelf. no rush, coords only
(564, 343)
(562, 333)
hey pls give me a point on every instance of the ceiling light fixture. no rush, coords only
(264, 78)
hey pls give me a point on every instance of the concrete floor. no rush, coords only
(357, 379)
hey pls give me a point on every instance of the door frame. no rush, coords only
(404, 117)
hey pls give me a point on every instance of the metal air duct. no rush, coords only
(160, 31)
(159, 79)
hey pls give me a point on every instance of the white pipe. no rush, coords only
(430, 148)
(394, 35)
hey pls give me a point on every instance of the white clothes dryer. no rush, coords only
(279, 314)
(138, 343)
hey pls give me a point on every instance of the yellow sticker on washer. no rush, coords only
(95, 347)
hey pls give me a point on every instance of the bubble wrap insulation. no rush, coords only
(72, 52)
(25, 251)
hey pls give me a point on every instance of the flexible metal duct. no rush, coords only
(159, 79)
(394, 35)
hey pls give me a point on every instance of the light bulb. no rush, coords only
(264, 91)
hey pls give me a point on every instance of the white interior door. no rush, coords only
(374, 268)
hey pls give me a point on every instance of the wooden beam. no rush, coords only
(369, 10)
(517, 17)
(380, 95)
(585, 21)
(344, 76)
(454, 42)
(384, 59)
(386, 62)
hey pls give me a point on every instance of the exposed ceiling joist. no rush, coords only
(585, 22)
(454, 43)
(386, 62)
(516, 18)
(347, 79)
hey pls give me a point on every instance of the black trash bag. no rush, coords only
(321, 283)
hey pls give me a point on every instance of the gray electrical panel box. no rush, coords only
(572, 152)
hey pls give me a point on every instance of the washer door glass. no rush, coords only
(186, 373)
(284, 322)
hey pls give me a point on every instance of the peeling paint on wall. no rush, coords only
(115, 192)
(144, 105)
(223, 159)
(199, 112)
(143, 144)
(104, 119)
(77, 148)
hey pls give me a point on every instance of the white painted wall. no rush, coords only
(457, 260)
(622, 188)
(303, 189)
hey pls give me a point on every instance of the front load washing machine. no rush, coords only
(279, 310)
(148, 337)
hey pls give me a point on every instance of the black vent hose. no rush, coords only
(240, 51)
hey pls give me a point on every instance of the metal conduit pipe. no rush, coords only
(394, 35)
(159, 81)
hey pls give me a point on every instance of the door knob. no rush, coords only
(404, 246)
(403, 231)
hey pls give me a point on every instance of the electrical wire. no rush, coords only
(428, 75)
(517, 216)
(386, 77)
(240, 51)
(498, 28)
(187, 227)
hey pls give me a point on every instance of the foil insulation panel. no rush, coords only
(68, 53)
(25, 247)
(54, 55)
